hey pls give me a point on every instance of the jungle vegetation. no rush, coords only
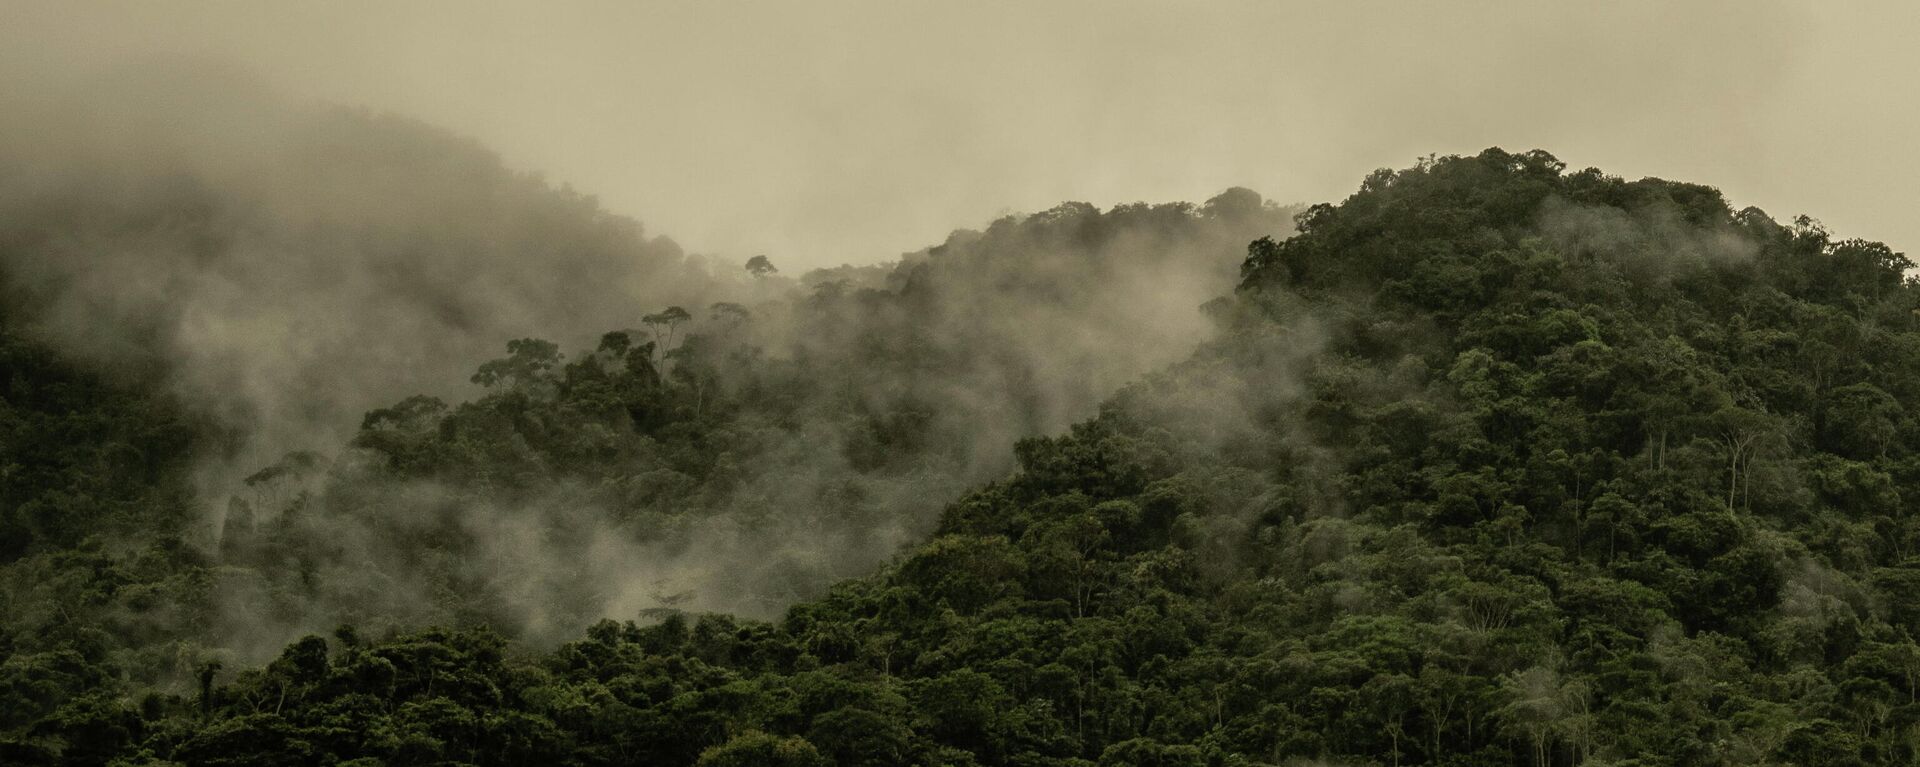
(1490, 463)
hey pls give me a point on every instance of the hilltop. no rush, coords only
(1490, 463)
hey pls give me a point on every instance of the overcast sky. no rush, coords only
(822, 133)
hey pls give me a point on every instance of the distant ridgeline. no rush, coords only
(1490, 464)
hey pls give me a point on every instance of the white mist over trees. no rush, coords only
(327, 437)
(286, 268)
(293, 265)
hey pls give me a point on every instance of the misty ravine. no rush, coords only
(327, 438)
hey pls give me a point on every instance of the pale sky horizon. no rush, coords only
(824, 133)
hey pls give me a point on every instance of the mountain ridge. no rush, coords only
(1492, 463)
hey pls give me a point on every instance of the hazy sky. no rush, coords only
(823, 132)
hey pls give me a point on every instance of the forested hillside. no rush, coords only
(1490, 464)
(283, 267)
(732, 457)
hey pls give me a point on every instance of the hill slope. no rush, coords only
(1491, 464)
(191, 295)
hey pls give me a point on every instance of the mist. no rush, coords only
(292, 265)
(878, 385)
(287, 267)
(844, 414)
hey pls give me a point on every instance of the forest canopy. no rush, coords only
(1490, 463)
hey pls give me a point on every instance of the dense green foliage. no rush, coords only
(83, 456)
(86, 463)
(729, 458)
(1491, 464)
